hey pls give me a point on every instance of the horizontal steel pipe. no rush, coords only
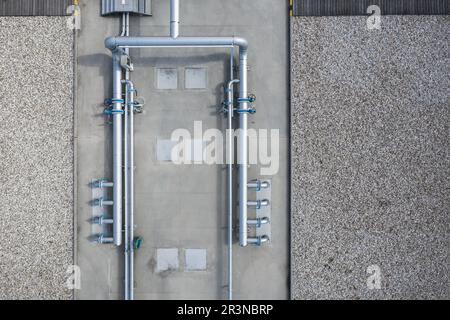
(257, 241)
(103, 184)
(103, 240)
(258, 222)
(103, 220)
(258, 185)
(258, 203)
(117, 150)
(114, 43)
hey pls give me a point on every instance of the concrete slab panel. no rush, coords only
(195, 259)
(167, 78)
(164, 149)
(167, 260)
(196, 78)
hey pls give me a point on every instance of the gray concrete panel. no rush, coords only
(183, 206)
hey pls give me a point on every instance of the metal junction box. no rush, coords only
(142, 7)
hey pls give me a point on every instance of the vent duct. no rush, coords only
(141, 7)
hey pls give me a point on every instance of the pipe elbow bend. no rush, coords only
(241, 42)
(110, 43)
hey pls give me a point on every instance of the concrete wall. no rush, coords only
(183, 206)
(36, 157)
(370, 157)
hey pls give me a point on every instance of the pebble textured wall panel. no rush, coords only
(370, 158)
(36, 157)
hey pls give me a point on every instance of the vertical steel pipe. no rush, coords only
(129, 187)
(126, 195)
(230, 105)
(174, 18)
(128, 101)
(117, 148)
(243, 146)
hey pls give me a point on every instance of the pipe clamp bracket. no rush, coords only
(112, 112)
(249, 111)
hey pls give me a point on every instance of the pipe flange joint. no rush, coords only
(98, 220)
(100, 183)
(98, 202)
(100, 238)
(258, 204)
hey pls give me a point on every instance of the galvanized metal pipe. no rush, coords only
(103, 203)
(258, 241)
(102, 220)
(131, 200)
(124, 18)
(174, 18)
(105, 184)
(103, 239)
(129, 185)
(114, 43)
(230, 107)
(243, 147)
(126, 22)
(117, 149)
(258, 203)
(258, 185)
(126, 197)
